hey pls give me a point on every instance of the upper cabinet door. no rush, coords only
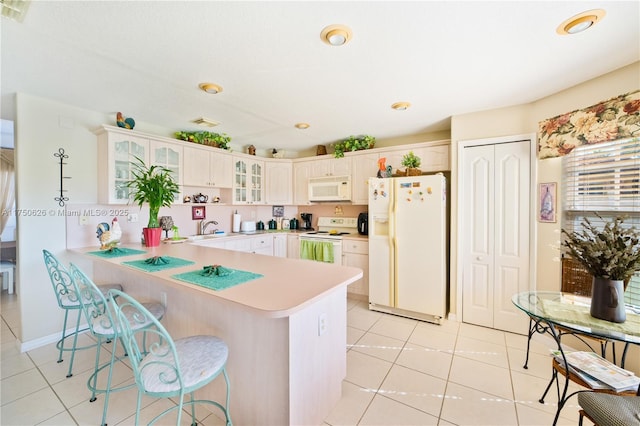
(116, 152)
(279, 177)
(168, 156)
(248, 182)
(221, 170)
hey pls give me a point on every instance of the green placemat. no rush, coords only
(215, 282)
(172, 262)
(576, 314)
(121, 251)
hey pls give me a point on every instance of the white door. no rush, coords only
(496, 219)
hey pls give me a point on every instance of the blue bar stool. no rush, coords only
(171, 369)
(104, 327)
(67, 300)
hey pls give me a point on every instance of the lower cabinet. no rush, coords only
(356, 253)
(280, 245)
(293, 246)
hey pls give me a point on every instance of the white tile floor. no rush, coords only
(399, 372)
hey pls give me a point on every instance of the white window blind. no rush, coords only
(604, 178)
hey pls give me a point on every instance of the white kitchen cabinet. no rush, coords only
(356, 253)
(280, 245)
(301, 174)
(364, 167)
(279, 177)
(331, 167)
(248, 182)
(238, 244)
(262, 244)
(116, 151)
(433, 158)
(205, 167)
(293, 246)
(169, 156)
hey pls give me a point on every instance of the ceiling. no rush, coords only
(446, 58)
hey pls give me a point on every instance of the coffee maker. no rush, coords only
(306, 221)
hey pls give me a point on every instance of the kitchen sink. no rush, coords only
(207, 236)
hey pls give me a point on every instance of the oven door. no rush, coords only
(328, 250)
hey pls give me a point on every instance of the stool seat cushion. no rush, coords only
(201, 359)
(611, 410)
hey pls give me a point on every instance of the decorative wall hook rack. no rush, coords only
(62, 156)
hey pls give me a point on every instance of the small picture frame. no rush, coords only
(277, 211)
(547, 202)
(198, 212)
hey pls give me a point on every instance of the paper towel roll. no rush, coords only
(236, 222)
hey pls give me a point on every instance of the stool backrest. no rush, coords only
(94, 304)
(61, 280)
(155, 341)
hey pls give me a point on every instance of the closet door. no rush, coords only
(496, 219)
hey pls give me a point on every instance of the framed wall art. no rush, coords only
(198, 212)
(547, 202)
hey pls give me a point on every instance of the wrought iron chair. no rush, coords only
(67, 300)
(609, 410)
(170, 369)
(102, 324)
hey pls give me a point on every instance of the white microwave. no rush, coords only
(330, 188)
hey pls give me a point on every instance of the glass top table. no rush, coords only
(571, 312)
(558, 313)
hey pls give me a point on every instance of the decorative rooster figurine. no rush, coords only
(109, 237)
(127, 123)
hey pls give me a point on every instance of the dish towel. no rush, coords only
(316, 250)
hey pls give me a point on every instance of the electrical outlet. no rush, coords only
(133, 217)
(322, 324)
(163, 299)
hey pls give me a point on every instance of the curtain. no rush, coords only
(617, 118)
(7, 185)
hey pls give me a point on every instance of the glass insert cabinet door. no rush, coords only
(256, 183)
(240, 182)
(125, 152)
(169, 157)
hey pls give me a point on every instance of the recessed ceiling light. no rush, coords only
(581, 22)
(205, 122)
(336, 35)
(401, 106)
(302, 126)
(211, 88)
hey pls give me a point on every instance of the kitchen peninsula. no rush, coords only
(286, 330)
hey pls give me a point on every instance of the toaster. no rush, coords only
(248, 226)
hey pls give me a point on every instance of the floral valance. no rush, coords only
(616, 118)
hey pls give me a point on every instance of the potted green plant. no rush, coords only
(412, 163)
(612, 255)
(205, 138)
(156, 186)
(353, 143)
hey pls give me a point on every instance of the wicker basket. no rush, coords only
(575, 278)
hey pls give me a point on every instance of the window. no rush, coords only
(604, 178)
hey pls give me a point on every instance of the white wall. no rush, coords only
(523, 119)
(42, 127)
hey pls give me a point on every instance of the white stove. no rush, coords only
(333, 228)
(330, 230)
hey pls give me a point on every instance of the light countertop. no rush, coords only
(287, 285)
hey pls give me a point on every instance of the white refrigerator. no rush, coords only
(408, 246)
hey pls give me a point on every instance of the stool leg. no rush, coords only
(108, 391)
(64, 330)
(75, 343)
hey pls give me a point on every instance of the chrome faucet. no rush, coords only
(202, 226)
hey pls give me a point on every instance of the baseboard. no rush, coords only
(43, 341)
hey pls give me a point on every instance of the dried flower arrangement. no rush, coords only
(612, 253)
